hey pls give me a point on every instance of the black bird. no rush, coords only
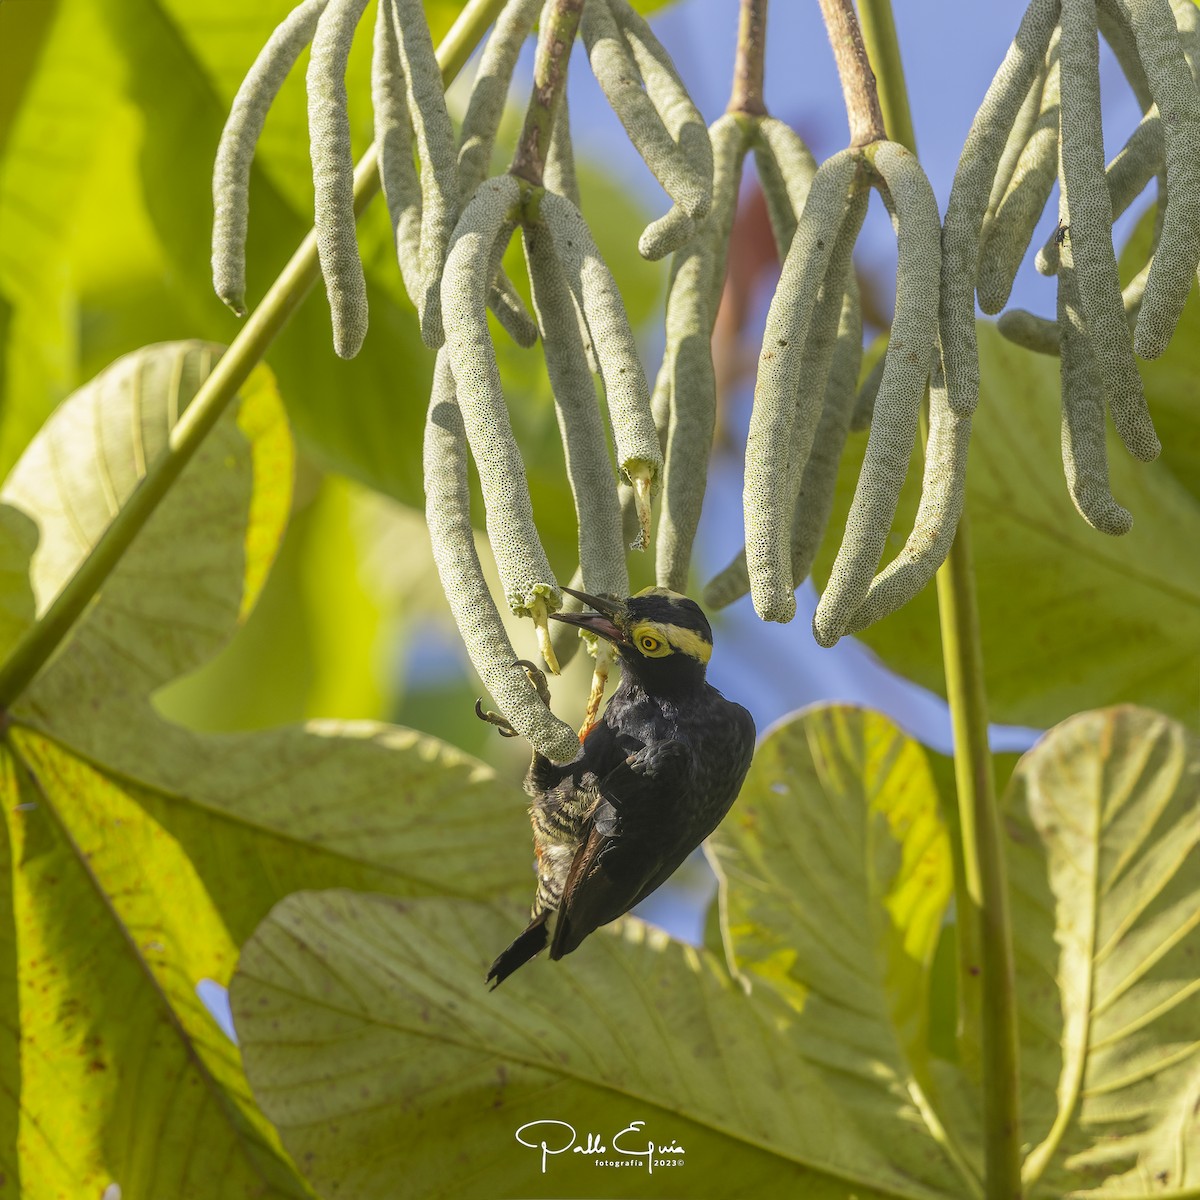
(652, 779)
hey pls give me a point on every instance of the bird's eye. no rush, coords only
(649, 644)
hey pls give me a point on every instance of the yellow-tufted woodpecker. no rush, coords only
(653, 778)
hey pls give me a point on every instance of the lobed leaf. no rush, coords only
(375, 1048)
(1104, 863)
(136, 855)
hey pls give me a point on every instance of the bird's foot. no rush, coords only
(536, 677)
(500, 721)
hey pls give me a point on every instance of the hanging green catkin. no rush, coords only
(814, 503)
(489, 92)
(235, 151)
(943, 494)
(571, 364)
(686, 375)
(1117, 32)
(509, 309)
(808, 462)
(1007, 236)
(1022, 130)
(645, 92)
(774, 457)
(585, 444)
(1174, 91)
(1029, 331)
(436, 154)
(785, 168)
(333, 174)
(560, 175)
(780, 214)
(1035, 333)
(566, 638)
(560, 178)
(1187, 21)
(393, 142)
(483, 230)
(639, 454)
(971, 190)
(1089, 214)
(729, 584)
(1084, 449)
(733, 582)
(910, 356)
(485, 110)
(682, 121)
(1137, 162)
(448, 514)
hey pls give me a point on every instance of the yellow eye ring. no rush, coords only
(648, 643)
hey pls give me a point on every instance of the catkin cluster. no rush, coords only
(645, 91)
(805, 401)
(453, 220)
(585, 333)
(1040, 123)
(424, 197)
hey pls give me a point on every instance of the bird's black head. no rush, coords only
(663, 638)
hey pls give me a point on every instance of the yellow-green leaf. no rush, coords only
(1104, 861)
(372, 1043)
(137, 854)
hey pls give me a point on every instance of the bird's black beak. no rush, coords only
(604, 622)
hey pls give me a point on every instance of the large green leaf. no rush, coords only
(175, 598)
(804, 1084)
(411, 1067)
(370, 1042)
(835, 872)
(1071, 618)
(139, 854)
(1104, 829)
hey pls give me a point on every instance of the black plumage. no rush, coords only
(652, 779)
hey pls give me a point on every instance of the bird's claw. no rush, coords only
(501, 722)
(536, 677)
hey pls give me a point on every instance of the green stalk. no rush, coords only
(883, 51)
(232, 370)
(987, 984)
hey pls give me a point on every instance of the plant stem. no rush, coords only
(555, 40)
(986, 970)
(747, 94)
(858, 80)
(232, 370)
(986, 902)
(883, 50)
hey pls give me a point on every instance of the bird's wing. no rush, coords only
(630, 834)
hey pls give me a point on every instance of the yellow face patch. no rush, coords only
(656, 640)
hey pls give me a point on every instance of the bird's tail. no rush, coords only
(530, 942)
